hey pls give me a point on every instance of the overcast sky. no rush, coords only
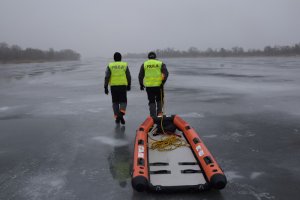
(101, 27)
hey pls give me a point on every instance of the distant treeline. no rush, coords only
(15, 54)
(222, 52)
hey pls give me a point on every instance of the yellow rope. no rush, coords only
(168, 143)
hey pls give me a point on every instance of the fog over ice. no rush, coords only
(99, 28)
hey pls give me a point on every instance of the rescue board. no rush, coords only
(189, 167)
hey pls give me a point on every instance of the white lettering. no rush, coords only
(141, 149)
(140, 155)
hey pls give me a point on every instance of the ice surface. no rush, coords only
(58, 138)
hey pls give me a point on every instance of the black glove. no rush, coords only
(142, 87)
(128, 87)
(106, 90)
(162, 84)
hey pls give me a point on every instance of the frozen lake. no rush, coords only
(58, 139)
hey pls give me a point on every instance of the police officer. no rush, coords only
(153, 75)
(118, 76)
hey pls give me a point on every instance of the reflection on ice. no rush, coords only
(119, 159)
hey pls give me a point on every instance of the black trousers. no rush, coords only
(155, 98)
(119, 99)
(119, 94)
(154, 94)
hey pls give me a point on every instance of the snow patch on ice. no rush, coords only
(95, 110)
(248, 190)
(5, 108)
(2, 152)
(210, 136)
(91, 99)
(230, 175)
(254, 175)
(235, 136)
(192, 115)
(68, 101)
(111, 141)
(86, 99)
(83, 172)
(44, 186)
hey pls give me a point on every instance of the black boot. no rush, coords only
(115, 107)
(117, 120)
(121, 116)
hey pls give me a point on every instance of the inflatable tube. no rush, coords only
(212, 170)
(187, 168)
(140, 179)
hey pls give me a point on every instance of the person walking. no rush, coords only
(117, 75)
(153, 75)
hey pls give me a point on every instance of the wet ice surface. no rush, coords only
(58, 139)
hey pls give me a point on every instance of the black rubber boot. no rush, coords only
(117, 120)
(122, 120)
(116, 108)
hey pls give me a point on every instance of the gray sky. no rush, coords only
(101, 27)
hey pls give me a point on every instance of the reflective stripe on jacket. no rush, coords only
(153, 75)
(118, 73)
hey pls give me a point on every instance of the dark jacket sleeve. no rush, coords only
(128, 76)
(142, 75)
(164, 70)
(107, 77)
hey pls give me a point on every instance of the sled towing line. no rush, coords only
(184, 165)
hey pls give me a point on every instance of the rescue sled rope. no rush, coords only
(162, 108)
(168, 143)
